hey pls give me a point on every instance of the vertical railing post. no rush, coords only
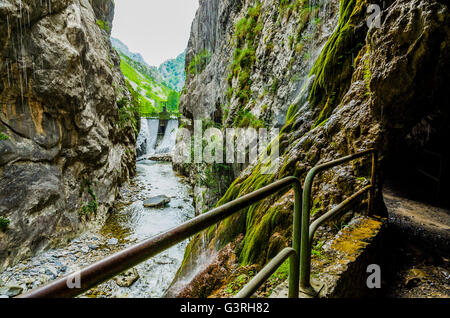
(373, 182)
(305, 248)
(305, 253)
(294, 263)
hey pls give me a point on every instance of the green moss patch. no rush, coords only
(4, 223)
(103, 25)
(92, 206)
(247, 30)
(199, 63)
(334, 67)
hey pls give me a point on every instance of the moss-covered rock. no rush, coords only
(334, 67)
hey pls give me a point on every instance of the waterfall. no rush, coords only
(153, 125)
(170, 135)
(141, 144)
(147, 136)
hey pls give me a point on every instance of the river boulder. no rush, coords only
(157, 202)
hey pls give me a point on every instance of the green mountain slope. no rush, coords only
(173, 72)
(151, 86)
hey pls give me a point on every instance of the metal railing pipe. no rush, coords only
(313, 227)
(373, 181)
(267, 271)
(117, 263)
(305, 255)
(294, 264)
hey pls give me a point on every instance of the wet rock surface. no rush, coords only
(58, 108)
(161, 157)
(210, 271)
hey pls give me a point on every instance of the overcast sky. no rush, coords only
(158, 29)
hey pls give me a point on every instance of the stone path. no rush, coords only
(418, 253)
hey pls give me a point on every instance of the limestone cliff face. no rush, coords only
(68, 132)
(278, 62)
(352, 89)
(258, 56)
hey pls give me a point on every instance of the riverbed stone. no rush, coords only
(51, 271)
(161, 157)
(113, 241)
(11, 291)
(127, 278)
(156, 202)
(92, 246)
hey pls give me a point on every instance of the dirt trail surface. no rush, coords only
(417, 249)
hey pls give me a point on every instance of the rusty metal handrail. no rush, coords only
(266, 272)
(309, 230)
(119, 262)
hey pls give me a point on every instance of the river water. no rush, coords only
(135, 223)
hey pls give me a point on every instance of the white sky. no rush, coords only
(158, 29)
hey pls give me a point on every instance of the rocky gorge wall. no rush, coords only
(68, 126)
(357, 86)
(247, 62)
